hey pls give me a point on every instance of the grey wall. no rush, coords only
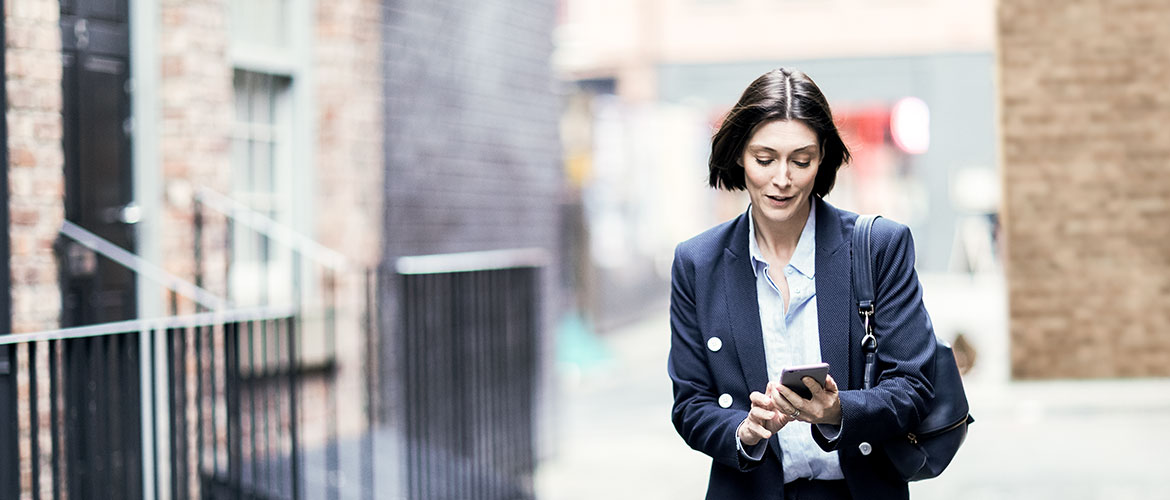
(472, 145)
(959, 88)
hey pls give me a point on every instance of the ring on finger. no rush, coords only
(796, 414)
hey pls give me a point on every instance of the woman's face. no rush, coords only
(780, 165)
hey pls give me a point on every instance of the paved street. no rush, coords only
(1062, 439)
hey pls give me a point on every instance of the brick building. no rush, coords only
(377, 129)
(1086, 196)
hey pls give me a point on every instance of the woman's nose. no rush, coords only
(782, 179)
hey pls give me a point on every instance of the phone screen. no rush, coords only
(793, 376)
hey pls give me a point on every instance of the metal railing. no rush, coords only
(468, 363)
(212, 405)
(197, 406)
(333, 278)
(226, 372)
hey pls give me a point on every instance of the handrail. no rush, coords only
(272, 229)
(142, 266)
(136, 325)
(472, 261)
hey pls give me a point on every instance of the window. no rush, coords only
(271, 145)
(262, 180)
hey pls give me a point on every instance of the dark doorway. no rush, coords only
(98, 196)
(103, 422)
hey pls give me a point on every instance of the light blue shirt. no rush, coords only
(792, 338)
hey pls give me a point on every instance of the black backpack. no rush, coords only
(924, 452)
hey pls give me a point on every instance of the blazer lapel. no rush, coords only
(834, 292)
(743, 312)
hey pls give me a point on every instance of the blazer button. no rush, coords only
(865, 448)
(714, 344)
(725, 400)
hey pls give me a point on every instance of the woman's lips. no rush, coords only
(779, 200)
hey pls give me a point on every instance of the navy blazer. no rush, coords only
(713, 294)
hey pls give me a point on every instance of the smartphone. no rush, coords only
(792, 377)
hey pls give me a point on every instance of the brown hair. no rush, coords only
(780, 94)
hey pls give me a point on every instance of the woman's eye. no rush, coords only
(801, 163)
(764, 161)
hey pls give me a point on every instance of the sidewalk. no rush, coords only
(1064, 439)
(617, 438)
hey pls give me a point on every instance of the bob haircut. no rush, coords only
(780, 94)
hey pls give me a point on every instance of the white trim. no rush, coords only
(472, 261)
(161, 323)
(145, 156)
(147, 185)
(260, 60)
(304, 139)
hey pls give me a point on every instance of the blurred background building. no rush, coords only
(235, 168)
(418, 249)
(912, 84)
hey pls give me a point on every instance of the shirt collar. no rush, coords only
(803, 258)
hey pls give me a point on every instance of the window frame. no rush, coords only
(293, 63)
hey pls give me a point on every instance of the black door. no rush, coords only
(95, 45)
(103, 423)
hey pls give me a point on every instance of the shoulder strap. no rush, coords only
(862, 261)
(863, 289)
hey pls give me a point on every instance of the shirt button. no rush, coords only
(714, 344)
(865, 448)
(725, 400)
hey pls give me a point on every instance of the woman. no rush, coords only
(771, 289)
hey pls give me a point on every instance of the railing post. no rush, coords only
(9, 452)
(371, 378)
(332, 453)
(294, 454)
(197, 222)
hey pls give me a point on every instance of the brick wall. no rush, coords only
(347, 69)
(195, 130)
(348, 78)
(36, 192)
(36, 183)
(1087, 195)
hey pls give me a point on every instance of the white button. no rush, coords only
(725, 400)
(714, 344)
(865, 448)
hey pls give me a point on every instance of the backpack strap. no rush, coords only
(863, 289)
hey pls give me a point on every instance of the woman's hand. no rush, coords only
(763, 419)
(823, 408)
